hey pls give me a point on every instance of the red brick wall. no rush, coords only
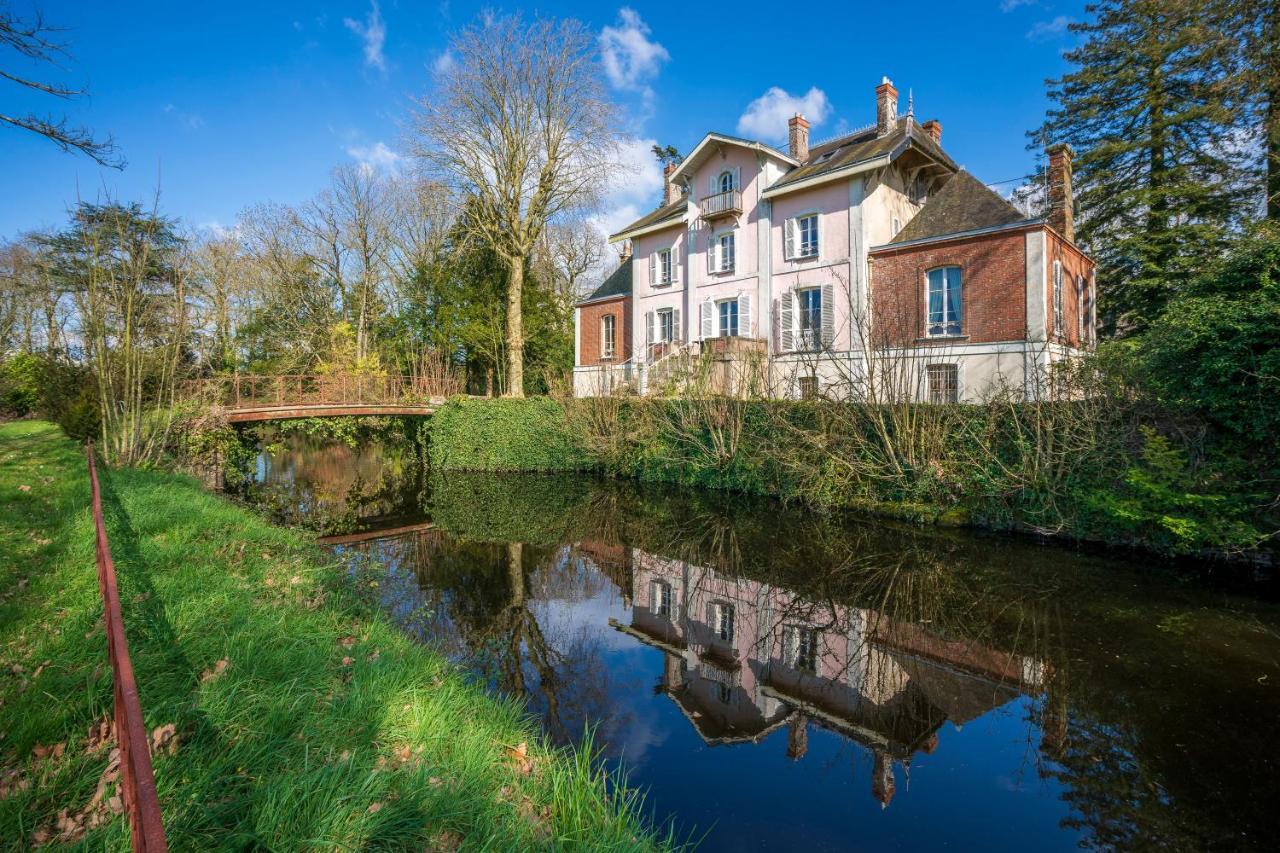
(994, 273)
(590, 327)
(1074, 264)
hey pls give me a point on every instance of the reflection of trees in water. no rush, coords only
(1157, 737)
(333, 488)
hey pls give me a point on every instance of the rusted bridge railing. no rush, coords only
(140, 801)
(242, 391)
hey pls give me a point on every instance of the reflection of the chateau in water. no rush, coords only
(744, 658)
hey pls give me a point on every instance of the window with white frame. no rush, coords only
(661, 267)
(608, 335)
(945, 302)
(800, 648)
(665, 325)
(727, 318)
(660, 598)
(722, 621)
(724, 183)
(801, 237)
(1080, 298)
(1057, 297)
(944, 383)
(721, 253)
(810, 304)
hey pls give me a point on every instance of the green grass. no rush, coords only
(288, 748)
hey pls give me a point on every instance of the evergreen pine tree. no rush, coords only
(1148, 111)
(1254, 25)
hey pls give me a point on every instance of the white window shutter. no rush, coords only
(787, 344)
(744, 315)
(653, 268)
(648, 328)
(713, 248)
(708, 316)
(789, 240)
(817, 230)
(715, 182)
(675, 263)
(737, 174)
(828, 316)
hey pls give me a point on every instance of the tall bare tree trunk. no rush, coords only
(515, 328)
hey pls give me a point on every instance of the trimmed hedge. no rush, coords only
(504, 435)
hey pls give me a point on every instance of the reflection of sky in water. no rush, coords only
(973, 693)
(980, 782)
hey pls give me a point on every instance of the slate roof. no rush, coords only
(963, 204)
(847, 150)
(674, 212)
(617, 284)
(862, 145)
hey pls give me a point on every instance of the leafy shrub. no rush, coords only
(20, 383)
(504, 435)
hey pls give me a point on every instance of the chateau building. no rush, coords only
(869, 266)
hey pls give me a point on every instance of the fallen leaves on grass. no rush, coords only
(71, 826)
(164, 740)
(41, 752)
(24, 488)
(347, 642)
(447, 841)
(518, 758)
(347, 661)
(215, 670)
(12, 782)
(100, 734)
(374, 808)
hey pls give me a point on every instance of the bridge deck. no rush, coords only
(249, 414)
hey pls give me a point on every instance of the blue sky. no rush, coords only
(228, 106)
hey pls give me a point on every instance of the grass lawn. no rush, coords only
(301, 718)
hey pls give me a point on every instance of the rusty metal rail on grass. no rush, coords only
(140, 801)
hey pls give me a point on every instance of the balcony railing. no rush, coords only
(721, 204)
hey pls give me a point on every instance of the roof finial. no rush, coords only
(911, 102)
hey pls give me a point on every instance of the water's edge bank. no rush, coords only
(302, 715)
(735, 446)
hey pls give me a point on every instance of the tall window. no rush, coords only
(664, 266)
(1057, 297)
(810, 318)
(666, 325)
(944, 383)
(800, 648)
(808, 226)
(1080, 295)
(722, 259)
(728, 311)
(722, 620)
(945, 301)
(660, 598)
(608, 335)
(725, 181)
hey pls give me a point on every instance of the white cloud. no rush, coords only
(376, 157)
(636, 187)
(190, 121)
(443, 63)
(1045, 30)
(373, 32)
(630, 57)
(766, 117)
(1010, 5)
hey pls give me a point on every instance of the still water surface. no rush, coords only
(776, 679)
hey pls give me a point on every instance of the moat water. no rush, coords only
(772, 678)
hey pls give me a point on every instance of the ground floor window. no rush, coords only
(666, 325)
(608, 336)
(800, 648)
(944, 383)
(660, 598)
(728, 312)
(808, 387)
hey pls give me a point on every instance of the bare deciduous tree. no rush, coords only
(34, 42)
(521, 124)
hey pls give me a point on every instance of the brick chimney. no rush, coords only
(798, 133)
(886, 107)
(672, 192)
(934, 128)
(1061, 208)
